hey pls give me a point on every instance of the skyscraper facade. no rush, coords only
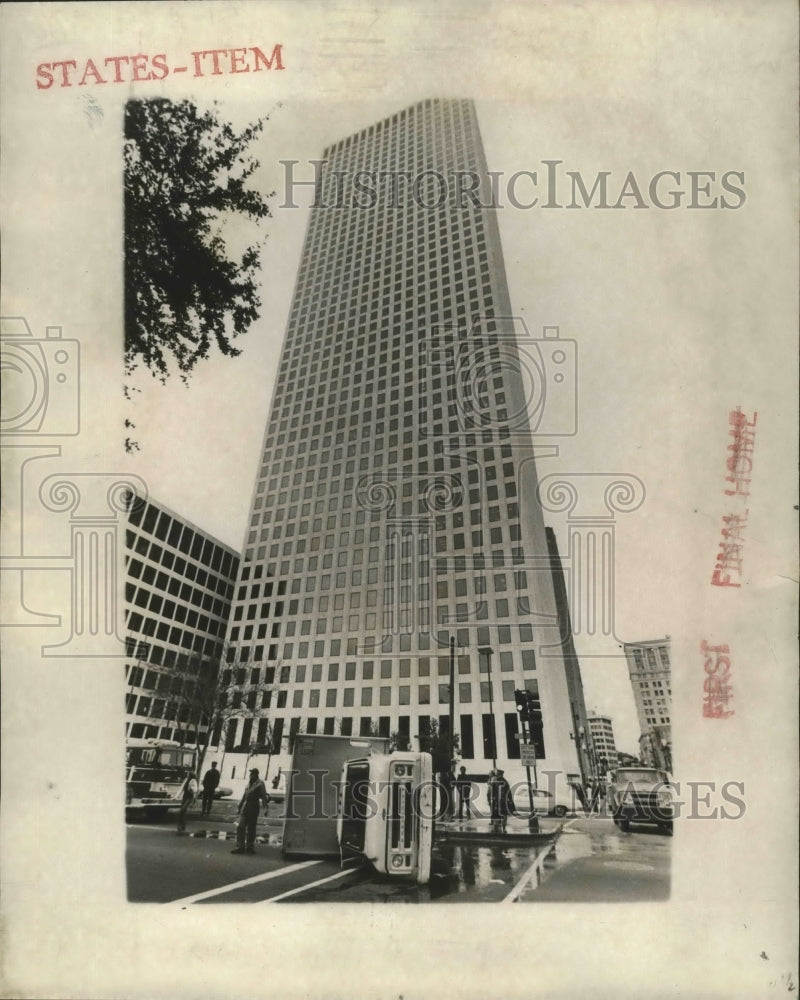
(395, 504)
(650, 672)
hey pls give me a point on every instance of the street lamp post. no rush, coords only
(452, 697)
(487, 652)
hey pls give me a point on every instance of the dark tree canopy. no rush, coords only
(185, 177)
(438, 743)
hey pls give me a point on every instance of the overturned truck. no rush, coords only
(350, 797)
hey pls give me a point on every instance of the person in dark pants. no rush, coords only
(464, 789)
(254, 795)
(505, 800)
(210, 782)
(188, 795)
(446, 782)
(492, 794)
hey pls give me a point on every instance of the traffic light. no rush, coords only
(536, 724)
(523, 706)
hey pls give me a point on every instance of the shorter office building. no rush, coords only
(178, 590)
(603, 747)
(650, 671)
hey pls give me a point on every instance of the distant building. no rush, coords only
(178, 591)
(604, 747)
(580, 721)
(650, 672)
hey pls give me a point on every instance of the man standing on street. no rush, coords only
(254, 795)
(505, 800)
(188, 794)
(464, 788)
(210, 782)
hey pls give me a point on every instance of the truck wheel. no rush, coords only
(666, 828)
(624, 825)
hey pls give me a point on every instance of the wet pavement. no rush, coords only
(580, 859)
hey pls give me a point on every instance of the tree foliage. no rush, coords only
(204, 702)
(185, 181)
(438, 743)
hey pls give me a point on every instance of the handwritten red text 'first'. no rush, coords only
(141, 67)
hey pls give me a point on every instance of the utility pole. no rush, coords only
(525, 707)
(487, 652)
(452, 698)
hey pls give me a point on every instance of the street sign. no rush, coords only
(527, 755)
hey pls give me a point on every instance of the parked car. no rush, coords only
(640, 795)
(544, 802)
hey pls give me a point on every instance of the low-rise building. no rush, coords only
(178, 591)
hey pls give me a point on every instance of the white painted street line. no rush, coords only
(566, 826)
(311, 885)
(528, 875)
(245, 881)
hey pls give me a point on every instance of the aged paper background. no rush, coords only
(681, 316)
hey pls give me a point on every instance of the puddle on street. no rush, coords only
(572, 847)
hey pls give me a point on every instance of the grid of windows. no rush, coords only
(605, 748)
(375, 583)
(650, 672)
(178, 592)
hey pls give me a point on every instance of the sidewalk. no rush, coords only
(485, 830)
(221, 825)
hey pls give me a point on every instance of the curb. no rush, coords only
(502, 839)
(228, 835)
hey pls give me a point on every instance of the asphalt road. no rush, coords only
(594, 862)
(591, 861)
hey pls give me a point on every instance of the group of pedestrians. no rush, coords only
(452, 788)
(458, 790)
(249, 807)
(501, 798)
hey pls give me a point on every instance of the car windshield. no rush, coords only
(638, 774)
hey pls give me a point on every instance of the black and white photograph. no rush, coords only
(399, 505)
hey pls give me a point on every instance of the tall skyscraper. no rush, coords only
(650, 672)
(395, 505)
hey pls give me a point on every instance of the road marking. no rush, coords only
(529, 872)
(629, 866)
(245, 881)
(568, 826)
(311, 885)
